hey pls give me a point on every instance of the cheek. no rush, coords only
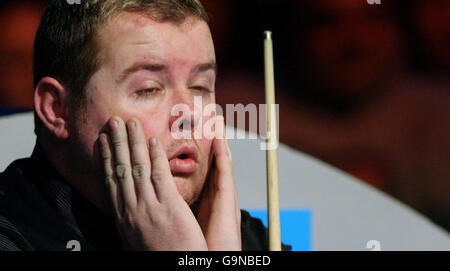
(87, 126)
(98, 110)
(206, 153)
(100, 107)
(206, 147)
(97, 114)
(153, 123)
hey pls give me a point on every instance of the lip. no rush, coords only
(186, 164)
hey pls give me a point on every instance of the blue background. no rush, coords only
(295, 227)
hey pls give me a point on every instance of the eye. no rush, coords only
(145, 92)
(200, 88)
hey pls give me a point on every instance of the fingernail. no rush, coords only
(132, 124)
(102, 137)
(103, 140)
(114, 124)
(153, 141)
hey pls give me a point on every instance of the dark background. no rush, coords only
(362, 87)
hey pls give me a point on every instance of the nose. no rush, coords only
(185, 115)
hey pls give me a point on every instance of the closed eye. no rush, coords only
(145, 92)
(200, 88)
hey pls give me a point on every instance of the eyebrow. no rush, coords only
(206, 66)
(161, 67)
(140, 66)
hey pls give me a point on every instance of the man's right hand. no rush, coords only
(149, 211)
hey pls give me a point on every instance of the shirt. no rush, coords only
(40, 211)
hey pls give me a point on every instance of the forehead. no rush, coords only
(135, 36)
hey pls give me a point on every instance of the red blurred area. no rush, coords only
(18, 25)
(431, 19)
(363, 87)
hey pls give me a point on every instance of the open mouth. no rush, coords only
(184, 160)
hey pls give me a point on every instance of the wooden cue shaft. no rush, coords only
(271, 152)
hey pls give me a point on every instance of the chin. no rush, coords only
(187, 189)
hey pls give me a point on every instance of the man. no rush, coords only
(107, 172)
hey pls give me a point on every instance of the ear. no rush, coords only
(51, 106)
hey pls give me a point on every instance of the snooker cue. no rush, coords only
(273, 205)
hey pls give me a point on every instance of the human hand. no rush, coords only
(219, 214)
(149, 211)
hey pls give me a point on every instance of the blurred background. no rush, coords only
(363, 87)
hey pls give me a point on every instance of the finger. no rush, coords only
(222, 130)
(122, 165)
(224, 166)
(221, 151)
(227, 146)
(238, 210)
(110, 182)
(140, 162)
(163, 182)
(233, 185)
(208, 187)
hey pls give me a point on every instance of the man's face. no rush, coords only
(146, 68)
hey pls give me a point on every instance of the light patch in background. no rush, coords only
(295, 226)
